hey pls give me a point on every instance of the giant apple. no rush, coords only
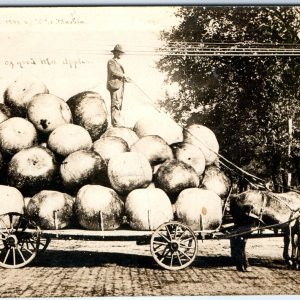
(191, 155)
(203, 138)
(11, 201)
(173, 176)
(146, 209)
(109, 146)
(127, 134)
(32, 170)
(154, 148)
(46, 112)
(82, 167)
(128, 171)
(19, 93)
(50, 209)
(98, 208)
(16, 134)
(216, 180)
(69, 138)
(89, 111)
(161, 125)
(199, 209)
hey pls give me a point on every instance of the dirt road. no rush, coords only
(87, 269)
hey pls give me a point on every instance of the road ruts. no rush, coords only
(87, 269)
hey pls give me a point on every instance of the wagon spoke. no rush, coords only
(169, 233)
(184, 254)
(165, 255)
(157, 251)
(14, 256)
(176, 229)
(164, 237)
(21, 244)
(21, 254)
(172, 258)
(32, 244)
(187, 239)
(29, 251)
(179, 259)
(29, 244)
(183, 232)
(186, 247)
(159, 246)
(6, 256)
(160, 243)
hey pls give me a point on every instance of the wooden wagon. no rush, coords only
(173, 245)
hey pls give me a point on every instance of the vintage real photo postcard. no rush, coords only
(149, 151)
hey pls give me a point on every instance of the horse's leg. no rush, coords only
(238, 253)
(296, 244)
(246, 266)
(286, 244)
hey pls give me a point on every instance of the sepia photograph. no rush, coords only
(149, 151)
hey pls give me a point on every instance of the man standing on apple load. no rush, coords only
(116, 79)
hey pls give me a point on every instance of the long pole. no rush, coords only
(290, 131)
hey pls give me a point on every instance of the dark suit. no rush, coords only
(115, 85)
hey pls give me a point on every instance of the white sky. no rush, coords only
(68, 34)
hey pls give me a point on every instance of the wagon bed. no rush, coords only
(173, 245)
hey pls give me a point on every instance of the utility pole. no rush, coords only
(290, 131)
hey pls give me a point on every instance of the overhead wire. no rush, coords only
(192, 49)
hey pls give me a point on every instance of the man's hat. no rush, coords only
(119, 48)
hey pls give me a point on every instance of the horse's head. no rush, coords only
(246, 207)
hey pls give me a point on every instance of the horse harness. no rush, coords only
(295, 213)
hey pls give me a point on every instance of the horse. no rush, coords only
(274, 210)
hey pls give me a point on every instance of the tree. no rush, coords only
(245, 100)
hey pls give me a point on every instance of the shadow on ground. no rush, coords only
(69, 259)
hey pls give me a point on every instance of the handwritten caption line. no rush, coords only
(71, 63)
(72, 19)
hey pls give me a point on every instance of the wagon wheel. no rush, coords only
(19, 240)
(174, 246)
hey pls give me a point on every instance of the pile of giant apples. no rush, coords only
(63, 166)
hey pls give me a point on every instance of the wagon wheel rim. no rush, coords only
(19, 240)
(174, 246)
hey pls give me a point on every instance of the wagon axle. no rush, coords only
(11, 241)
(174, 246)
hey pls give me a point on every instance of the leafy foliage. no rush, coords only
(245, 100)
